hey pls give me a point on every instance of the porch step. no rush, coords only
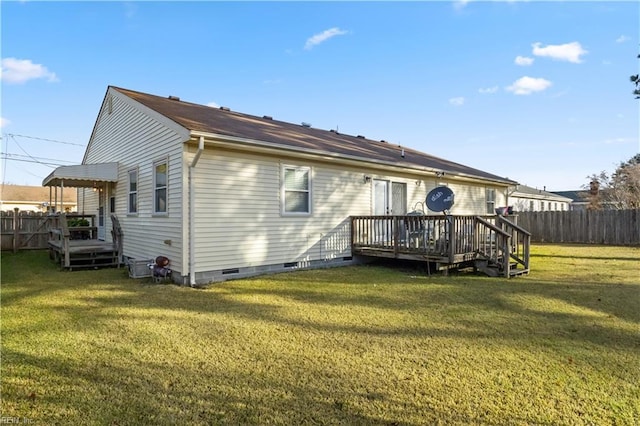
(94, 259)
(494, 270)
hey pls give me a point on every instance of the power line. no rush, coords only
(38, 158)
(43, 139)
(29, 155)
(52, 165)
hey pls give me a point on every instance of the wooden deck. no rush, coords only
(492, 244)
(84, 253)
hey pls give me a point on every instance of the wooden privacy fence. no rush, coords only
(23, 230)
(615, 227)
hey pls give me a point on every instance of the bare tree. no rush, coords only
(620, 190)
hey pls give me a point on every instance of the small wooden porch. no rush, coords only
(78, 247)
(492, 244)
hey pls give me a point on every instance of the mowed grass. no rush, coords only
(353, 345)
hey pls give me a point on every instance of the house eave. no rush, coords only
(236, 143)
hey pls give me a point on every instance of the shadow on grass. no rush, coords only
(521, 313)
(466, 306)
(181, 394)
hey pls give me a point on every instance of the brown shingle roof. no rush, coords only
(33, 193)
(202, 118)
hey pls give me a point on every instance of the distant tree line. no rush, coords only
(619, 190)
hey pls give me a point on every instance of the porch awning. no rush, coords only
(82, 175)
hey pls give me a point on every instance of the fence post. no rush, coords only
(16, 230)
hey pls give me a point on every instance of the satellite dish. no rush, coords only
(440, 199)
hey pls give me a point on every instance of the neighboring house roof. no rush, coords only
(32, 194)
(221, 121)
(583, 196)
(524, 191)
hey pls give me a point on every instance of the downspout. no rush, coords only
(192, 215)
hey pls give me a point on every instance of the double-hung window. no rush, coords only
(132, 203)
(160, 187)
(296, 190)
(490, 196)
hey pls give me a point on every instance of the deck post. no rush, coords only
(352, 232)
(65, 239)
(396, 235)
(16, 230)
(451, 238)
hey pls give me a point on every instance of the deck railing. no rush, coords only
(443, 238)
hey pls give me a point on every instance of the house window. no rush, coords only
(132, 204)
(296, 190)
(112, 204)
(160, 187)
(490, 195)
(531, 205)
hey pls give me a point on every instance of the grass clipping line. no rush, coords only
(352, 345)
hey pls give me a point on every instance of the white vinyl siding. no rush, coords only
(134, 137)
(469, 198)
(239, 221)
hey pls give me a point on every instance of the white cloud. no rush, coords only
(618, 141)
(488, 90)
(523, 61)
(528, 85)
(22, 70)
(459, 101)
(570, 52)
(622, 39)
(322, 37)
(213, 105)
(4, 122)
(460, 4)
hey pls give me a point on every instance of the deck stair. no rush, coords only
(506, 248)
(84, 253)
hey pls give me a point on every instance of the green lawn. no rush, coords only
(353, 345)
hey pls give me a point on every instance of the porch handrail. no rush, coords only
(501, 253)
(492, 226)
(520, 241)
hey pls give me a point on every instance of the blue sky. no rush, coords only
(538, 92)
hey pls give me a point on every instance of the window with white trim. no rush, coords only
(296, 190)
(160, 187)
(490, 196)
(132, 203)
